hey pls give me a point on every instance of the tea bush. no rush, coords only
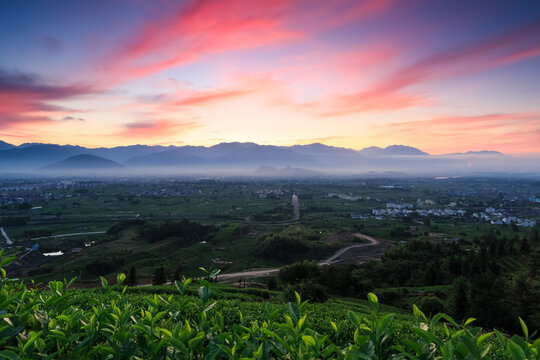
(60, 323)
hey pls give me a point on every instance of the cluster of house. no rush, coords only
(390, 187)
(29, 197)
(497, 217)
(269, 193)
(490, 215)
(40, 192)
(349, 196)
(165, 192)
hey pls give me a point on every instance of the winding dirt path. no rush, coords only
(335, 258)
(273, 271)
(331, 260)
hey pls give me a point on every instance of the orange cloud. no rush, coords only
(207, 97)
(155, 128)
(457, 133)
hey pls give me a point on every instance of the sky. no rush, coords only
(443, 76)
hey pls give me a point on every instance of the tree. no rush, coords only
(177, 276)
(159, 276)
(459, 300)
(131, 277)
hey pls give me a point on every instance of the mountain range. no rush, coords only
(243, 158)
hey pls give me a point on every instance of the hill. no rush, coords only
(84, 162)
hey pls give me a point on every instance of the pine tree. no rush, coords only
(131, 277)
(459, 301)
(159, 276)
(177, 276)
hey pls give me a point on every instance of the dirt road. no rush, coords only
(331, 260)
(335, 258)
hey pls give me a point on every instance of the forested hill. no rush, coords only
(494, 278)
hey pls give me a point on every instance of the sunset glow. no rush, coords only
(443, 76)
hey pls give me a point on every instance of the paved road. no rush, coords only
(8, 240)
(66, 235)
(296, 208)
(267, 272)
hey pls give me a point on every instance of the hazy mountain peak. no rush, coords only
(83, 162)
(392, 150)
(481, 152)
(5, 146)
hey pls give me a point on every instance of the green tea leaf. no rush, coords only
(104, 282)
(524, 328)
(515, 351)
(308, 340)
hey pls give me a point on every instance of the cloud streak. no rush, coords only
(155, 128)
(478, 132)
(395, 91)
(209, 27)
(24, 99)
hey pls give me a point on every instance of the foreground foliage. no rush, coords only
(59, 323)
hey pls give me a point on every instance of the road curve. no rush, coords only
(331, 260)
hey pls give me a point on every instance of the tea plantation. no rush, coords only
(113, 322)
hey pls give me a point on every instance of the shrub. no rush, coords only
(315, 293)
(432, 305)
(299, 272)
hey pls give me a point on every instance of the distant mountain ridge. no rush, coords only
(39, 155)
(237, 158)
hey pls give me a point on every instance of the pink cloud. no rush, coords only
(24, 100)
(204, 27)
(394, 92)
(214, 26)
